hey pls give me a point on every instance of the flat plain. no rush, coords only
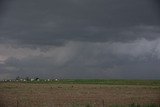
(19, 94)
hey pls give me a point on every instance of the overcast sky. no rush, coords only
(105, 39)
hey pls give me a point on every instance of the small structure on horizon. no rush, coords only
(56, 79)
(32, 79)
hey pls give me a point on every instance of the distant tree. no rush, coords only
(37, 79)
(18, 78)
(27, 79)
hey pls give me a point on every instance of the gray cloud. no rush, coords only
(136, 59)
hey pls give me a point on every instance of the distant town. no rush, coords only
(27, 79)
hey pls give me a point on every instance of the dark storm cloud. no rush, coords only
(56, 22)
(80, 38)
(2, 6)
(157, 3)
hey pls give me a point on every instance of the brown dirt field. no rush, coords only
(69, 95)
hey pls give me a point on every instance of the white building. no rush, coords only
(32, 79)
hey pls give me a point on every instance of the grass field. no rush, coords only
(81, 93)
(100, 82)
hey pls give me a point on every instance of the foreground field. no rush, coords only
(76, 95)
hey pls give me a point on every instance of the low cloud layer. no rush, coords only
(140, 58)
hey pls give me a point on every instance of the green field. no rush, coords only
(101, 81)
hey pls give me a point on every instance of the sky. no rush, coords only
(80, 39)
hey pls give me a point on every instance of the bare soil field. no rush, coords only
(76, 95)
